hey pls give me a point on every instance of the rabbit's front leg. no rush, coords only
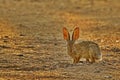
(92, 59)
(76, 59)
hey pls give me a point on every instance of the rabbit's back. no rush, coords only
(87, 49)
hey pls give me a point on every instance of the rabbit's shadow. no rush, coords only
(68, 65)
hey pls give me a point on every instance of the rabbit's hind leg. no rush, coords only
(87, 60)
(92, 60)
(76, 59)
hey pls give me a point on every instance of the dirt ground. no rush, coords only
(32, 45)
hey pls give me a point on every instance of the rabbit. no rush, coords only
(84, 49)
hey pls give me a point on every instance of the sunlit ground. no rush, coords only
(32, 45)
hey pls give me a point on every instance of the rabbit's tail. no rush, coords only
(99, 57)
(95, 51)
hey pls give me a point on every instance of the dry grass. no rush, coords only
(32, 46)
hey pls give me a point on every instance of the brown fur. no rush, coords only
(85, 49)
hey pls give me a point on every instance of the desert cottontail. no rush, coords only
(85, 49)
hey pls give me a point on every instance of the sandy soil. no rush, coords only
(32, 45)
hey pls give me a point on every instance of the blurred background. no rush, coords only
(32, 45)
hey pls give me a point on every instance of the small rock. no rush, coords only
(22, 34)
(6, 37)
(97, 71)
(102, 41)
(55, 44)
(108, 77)
(117, 41)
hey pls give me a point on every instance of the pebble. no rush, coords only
(108, 77)
(97, 71)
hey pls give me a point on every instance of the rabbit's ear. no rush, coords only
(75, 34)
(66, 34)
